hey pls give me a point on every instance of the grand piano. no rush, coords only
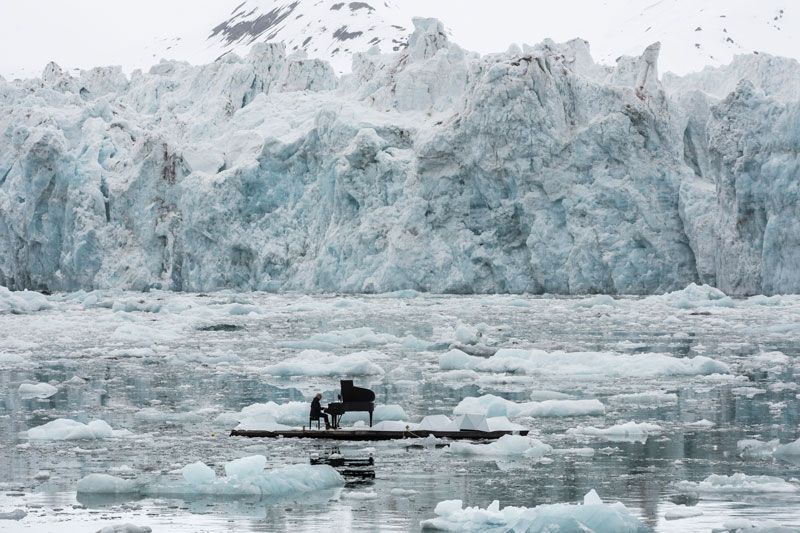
(351, 399)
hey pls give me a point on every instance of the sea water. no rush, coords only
(169, 373)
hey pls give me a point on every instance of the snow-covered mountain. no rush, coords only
(693, 33)
(326, 29)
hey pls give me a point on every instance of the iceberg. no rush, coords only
(591, 516)
(507, 445)
(431, 169)
(628, 431)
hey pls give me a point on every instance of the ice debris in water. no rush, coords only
(243, 477)
(592, 516)
(520, 361)
(738, 483)
(22, 301)
(681, 512)
(36, 390)
(66, 429)
(320, 364)
(628, 431)
(505, 445)
(492, 406)
(694, 296)
(16, 514)
(125, 528)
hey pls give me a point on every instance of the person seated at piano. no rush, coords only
(316, 411)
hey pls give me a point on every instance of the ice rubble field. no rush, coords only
(680, 411)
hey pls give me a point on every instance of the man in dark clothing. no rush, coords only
(316, 411)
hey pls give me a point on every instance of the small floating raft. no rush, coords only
(363, 434)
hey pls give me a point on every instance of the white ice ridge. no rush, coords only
(521, 361)
(432, 169)
(591, 516)
(243, 477)
(36, 390)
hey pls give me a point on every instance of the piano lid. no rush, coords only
(351, 393)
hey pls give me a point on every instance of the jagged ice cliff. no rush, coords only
(534, 170)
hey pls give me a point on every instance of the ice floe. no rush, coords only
(738, 483)
(506, 445)
(66, 429)
(491, 405)
(583, 363)
(245, 476)
(694, 296)
(628, 431)
(320, 364)
(591, 516)
(22, 301)
(36, 390)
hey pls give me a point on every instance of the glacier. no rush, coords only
(432, 169)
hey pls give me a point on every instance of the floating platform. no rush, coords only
(363, 434)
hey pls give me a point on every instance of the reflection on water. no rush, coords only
(170, 393)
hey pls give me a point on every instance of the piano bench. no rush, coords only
(311, 420)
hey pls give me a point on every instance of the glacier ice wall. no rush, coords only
(434, 169)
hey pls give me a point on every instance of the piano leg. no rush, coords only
(370, 419)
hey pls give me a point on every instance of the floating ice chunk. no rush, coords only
(343, 338)
(9, 359)
(245, 477)
(268, 416)
(756, 449)
(42, 474)
(701, 424)
(502, 423)
(743, 525)
(125, 528)
(681, 512)
(694, 296)
(788, 450)
(65, 429)
(405, 493)
(20, 302)
(36, 390)
(600, 299)
(505, 445)
(153, 415)
(647, 398)
(16, 514)
(246, 467)
(492, 406)
(747, 392)
(434, 422)
(760, 299)
(583, 452)
(314, 363)
(198, 473)
(592, 516)
(466, 335)
(629, 431)
(106, 484)
(390, 412)
(582, 363)
(360, 495)
(540, 395)
(738, 483)
(143, 335)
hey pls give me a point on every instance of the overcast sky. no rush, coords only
(86, 33)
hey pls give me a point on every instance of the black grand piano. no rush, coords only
(351, 399)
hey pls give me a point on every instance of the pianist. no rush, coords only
(316, 411)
